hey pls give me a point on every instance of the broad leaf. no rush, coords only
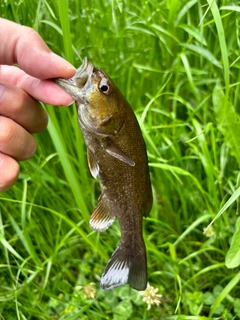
(233, 254)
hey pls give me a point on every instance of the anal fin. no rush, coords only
(101, 218)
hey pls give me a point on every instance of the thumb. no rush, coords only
(24, 46)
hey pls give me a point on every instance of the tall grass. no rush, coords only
(177, 62)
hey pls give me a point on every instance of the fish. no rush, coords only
(117, 157)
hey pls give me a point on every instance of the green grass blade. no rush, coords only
(166, 57)
(70, 172)
(227, 121)
(230, 201)
(65, 25)
(224, 293)
(202, 52)
(222, 42)
(191, 228)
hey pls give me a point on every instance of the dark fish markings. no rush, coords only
(117, 157)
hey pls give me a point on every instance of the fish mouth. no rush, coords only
(77, 85)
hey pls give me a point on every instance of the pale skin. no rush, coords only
(21, 89)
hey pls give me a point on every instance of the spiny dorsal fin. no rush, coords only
(101, 218)
(92, 164)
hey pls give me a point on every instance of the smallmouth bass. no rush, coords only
(117, 156)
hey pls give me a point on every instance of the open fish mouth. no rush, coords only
(78, 85)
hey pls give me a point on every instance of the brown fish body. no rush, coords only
(117, 157)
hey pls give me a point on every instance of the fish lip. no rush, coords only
(85, 69)
(72, 89)
(81, 77)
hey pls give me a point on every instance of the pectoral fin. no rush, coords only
(117, 153)
(101, 218)
(92, 164)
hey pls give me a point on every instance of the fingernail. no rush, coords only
(67, 104)
(64, 62)
(70, 103)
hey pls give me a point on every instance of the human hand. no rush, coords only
(21, 87)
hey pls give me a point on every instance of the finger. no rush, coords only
(15, 141)
(17, 105)
(9, 171)
(24, 46)
(46, 91)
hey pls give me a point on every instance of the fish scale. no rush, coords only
(117, 157)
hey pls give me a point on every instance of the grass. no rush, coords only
(177, 62)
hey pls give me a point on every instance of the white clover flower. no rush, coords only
(209, 232)
(89, 290)
(150, 296)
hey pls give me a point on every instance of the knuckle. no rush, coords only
(27, 31)
(19, 106)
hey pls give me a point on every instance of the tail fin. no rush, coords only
(123, 268)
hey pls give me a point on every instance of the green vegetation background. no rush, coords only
(177, 62)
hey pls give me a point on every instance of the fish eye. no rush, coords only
(104, 87)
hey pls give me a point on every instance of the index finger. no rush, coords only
(24, 46)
